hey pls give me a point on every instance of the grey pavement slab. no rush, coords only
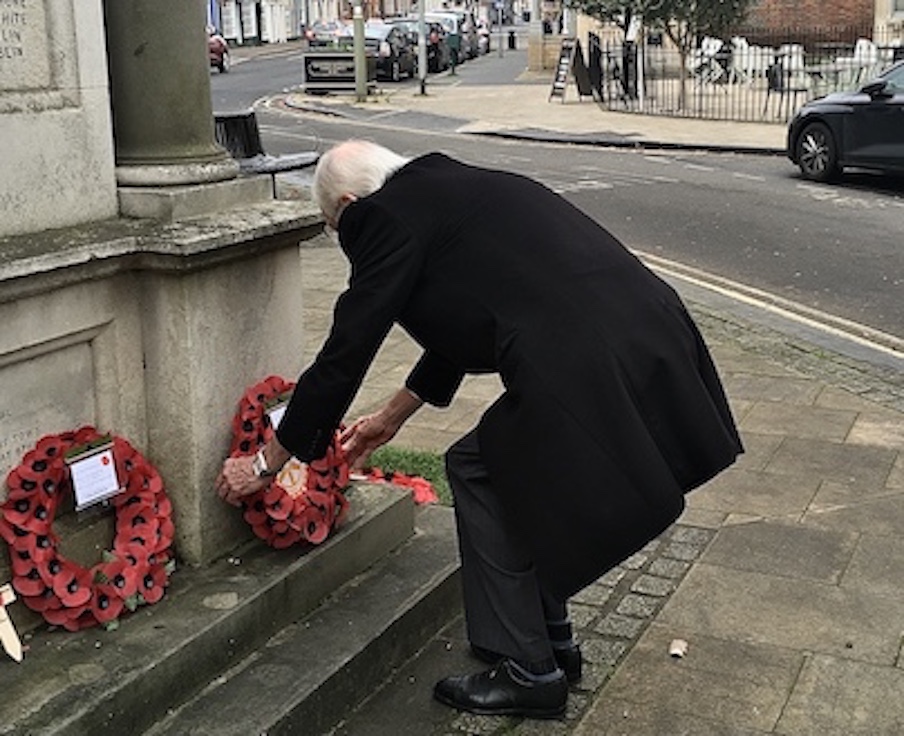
(756, 493)
(784, 550)
(839, 696)
(790, 613)
(881, 516)
(860, 465)
(721, 686)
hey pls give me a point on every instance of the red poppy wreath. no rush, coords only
(133, 573)
(294, 508)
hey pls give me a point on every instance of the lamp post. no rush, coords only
(360, 59)
(422, 45)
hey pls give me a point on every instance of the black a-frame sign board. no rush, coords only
(571, 60)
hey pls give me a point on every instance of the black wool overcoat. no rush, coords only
(612, 408)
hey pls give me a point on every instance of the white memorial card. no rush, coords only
(93, 476)
(276, 408)
(276, 413)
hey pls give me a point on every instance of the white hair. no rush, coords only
(353, 167)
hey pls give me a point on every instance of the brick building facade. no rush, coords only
(816, 14)
(811, 22)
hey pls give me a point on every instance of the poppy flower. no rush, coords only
(166, 530)
(51, 446)
(134, 555)
(46, 600)
(131, 515)
(262, 531)
(152, 585)
(313, 527)
(256, 510)
(21, 563)
(49, 569)
(144, 533)
(40, 547)
(340, 512)
(64, 617)
(163, 507)
(279, 506)
(279, 526)
(31, 514)
(285, 540)
(122, 576)
(84, 435)
(422, 491)
(83, 621)
(72, 585)
(32, 468)
(31, 584)
(6, 531)
(106, 605)
(14, 480)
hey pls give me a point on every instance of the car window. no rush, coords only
(895, 79)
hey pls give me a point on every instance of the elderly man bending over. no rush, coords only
(612, 408)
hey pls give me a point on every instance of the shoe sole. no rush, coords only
(545, 713)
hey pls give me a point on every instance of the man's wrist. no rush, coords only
(260, 467)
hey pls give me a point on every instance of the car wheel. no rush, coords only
(817, 154)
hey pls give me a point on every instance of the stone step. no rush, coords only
(124, 681)
(312, 673)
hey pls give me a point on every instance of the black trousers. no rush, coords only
(506, 608)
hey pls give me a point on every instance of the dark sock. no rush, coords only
(560, 633)
(545, 670)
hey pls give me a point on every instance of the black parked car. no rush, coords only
(864, 129)
(396, 56)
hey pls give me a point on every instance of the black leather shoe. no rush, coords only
(501, 691)
(569, 660)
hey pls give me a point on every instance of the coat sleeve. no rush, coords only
(434, 379)
(385, 264)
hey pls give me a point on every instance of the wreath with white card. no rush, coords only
(295, 508)
(134, 572)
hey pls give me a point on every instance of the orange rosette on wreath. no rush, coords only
(294, 508)
(135, 571)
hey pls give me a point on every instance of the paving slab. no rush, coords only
(882, 516)
(790, 613)
(839, 696)
(864, 466)
(757, 493)
(721, 686)
(784, 550)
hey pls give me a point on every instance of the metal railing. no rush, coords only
(746, 77)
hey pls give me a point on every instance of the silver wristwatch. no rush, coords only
(259, 466)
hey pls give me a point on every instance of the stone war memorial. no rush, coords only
(145, 285)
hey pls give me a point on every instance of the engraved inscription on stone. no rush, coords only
(47, 394)
(24, 57)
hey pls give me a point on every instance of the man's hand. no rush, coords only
(370, 432)
(237, 480)
(363, 437)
